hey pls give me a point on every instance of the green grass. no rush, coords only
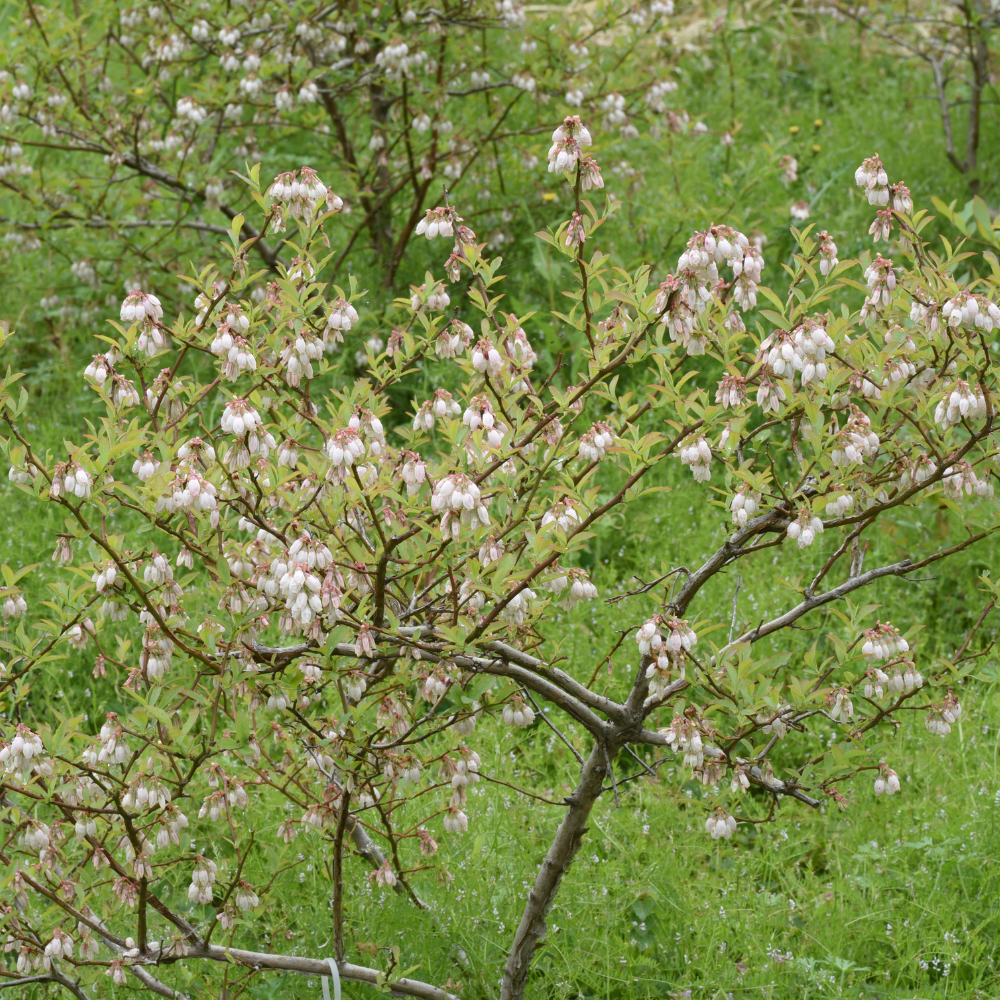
(892, 898)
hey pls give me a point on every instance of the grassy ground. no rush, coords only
(892, 898)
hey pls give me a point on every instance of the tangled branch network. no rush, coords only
(304, 591)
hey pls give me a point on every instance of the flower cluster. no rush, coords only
(856, 441)
(887, 781)
(189, 489)
(70, 479)
(681, 299)
(827, 253)
(479, 415)
(516, 713)
(744, 505)
(230, 343)
(975, 312)
(565, 514)
(515, 611)
(720, 824)
(438, 222)
(962, 403)
(574, 585)
(24, 754)
(341, 318)
(114, 748)
(960, 480)
(718, 245)
(840, 706)
(840, 504)
(460, 503)
(594, 444)
(804, 350)
(883, 642)
(298, 355)
(679, 636)
(202, 880)
(873, 180)
(942, 717)
(568, 142)
(429, 298)
(880, 276)
(344, 448)
(454, 339)
(141, 309)
(731, 391)
(804, 528)
(697, 454)
(300, 193)
(683, 736)
(252, 442)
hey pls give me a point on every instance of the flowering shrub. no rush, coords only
(393, 101)
(315, 589)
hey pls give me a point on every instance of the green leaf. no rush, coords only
(242, 727)
(772, 298)
(982, 214)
